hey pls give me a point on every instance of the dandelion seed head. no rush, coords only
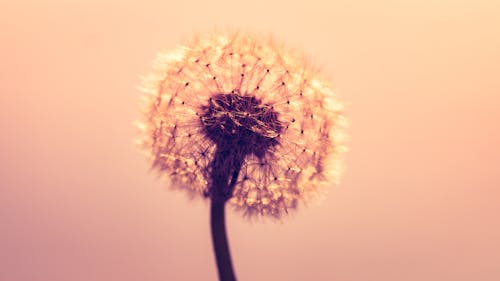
(243, 113)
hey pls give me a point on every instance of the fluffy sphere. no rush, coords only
(241, 110)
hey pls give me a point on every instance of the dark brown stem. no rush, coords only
(219, 240)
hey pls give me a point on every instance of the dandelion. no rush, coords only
(239, 120)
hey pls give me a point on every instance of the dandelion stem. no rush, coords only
(220, 243)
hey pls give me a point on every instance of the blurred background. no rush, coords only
(419, 200)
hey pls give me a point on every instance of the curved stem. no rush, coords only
(219, 240)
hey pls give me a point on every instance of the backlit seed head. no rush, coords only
(245, 114)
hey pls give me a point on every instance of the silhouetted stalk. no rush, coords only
(219, 240)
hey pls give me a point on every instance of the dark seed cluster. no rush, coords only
(241, 123)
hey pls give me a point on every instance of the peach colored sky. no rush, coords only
(420, 199)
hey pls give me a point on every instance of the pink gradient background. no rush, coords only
(420, 199)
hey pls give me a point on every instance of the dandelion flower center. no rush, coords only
(241, 122)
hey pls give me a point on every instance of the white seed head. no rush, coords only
(303, 145)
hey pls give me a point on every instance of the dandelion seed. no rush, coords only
(242, 121)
